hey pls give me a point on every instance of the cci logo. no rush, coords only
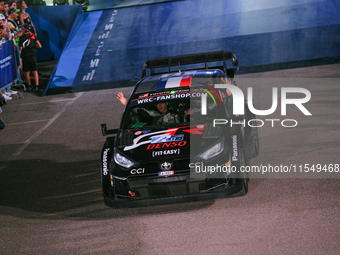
(137, 171)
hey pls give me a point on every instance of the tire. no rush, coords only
(244, 180)
(253, 138)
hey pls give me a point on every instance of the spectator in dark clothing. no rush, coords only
(12, 4)
(27, 45)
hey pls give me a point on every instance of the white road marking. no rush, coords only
(56, 100)
(36, 134)
(27, 122)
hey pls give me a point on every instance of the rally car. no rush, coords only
(179, 139)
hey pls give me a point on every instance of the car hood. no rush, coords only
(177, 142)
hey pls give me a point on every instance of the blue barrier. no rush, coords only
(8, 72)
(53, 25)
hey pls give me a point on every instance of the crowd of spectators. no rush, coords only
(16, 25)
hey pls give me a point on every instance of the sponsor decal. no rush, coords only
(162, 98)
(197, 130)
(94, 62)
(197, 164)
(166, 145)
(100, 46)
(112, 19)
(105, 169)
(165, 152)
(108, 26)
(166, 173)
(144, 95)
(174, 91)
(166, 166)
(137, 171)
(137, 141)
(104, 35)
(90, 76)
(235, 149)
(5, 62)
(166, 138)
(138, 133)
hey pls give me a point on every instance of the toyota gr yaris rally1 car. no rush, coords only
(171, 146)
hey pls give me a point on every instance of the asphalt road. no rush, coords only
(50, 191)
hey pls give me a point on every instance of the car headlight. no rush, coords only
(213, 150)
(122, 161)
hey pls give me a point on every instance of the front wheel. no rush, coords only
(244, 176)
(256, 142)
(252, 137)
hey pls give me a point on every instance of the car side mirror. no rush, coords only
(106, 132)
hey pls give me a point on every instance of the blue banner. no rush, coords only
(111, 46)
(53, 25)
(8, 72)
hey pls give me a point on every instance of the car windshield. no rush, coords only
(171, 108)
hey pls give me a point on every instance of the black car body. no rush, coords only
(180, 155)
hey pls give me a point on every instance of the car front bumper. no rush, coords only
(140, 192)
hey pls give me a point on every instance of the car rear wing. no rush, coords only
(198, 58)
